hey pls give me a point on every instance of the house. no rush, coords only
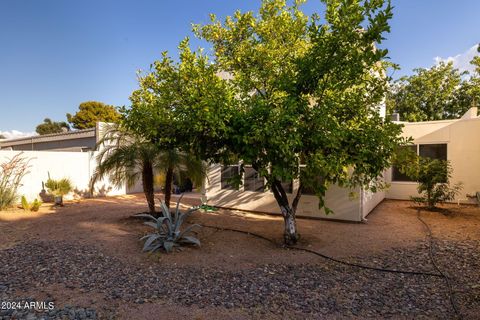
(455, 140)
(69, 155)
(73, 141)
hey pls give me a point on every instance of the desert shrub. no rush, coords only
(30, 206)
(433, 176)
(58, 187)
(168, 234)
(11, 175)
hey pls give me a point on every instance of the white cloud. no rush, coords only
(14, 134)
(461, 61)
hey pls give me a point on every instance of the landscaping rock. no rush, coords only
(312, 290)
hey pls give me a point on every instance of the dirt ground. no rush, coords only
(106, 224)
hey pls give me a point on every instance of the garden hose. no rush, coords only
(440, 274)
(432, 259)
(431, 274)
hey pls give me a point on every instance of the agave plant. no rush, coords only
(168, 233)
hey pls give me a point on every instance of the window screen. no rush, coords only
(228, 172)
(396, 174)
(252, 181)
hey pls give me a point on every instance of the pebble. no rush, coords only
(310, 290)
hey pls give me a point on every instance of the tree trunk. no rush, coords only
(168, 186)
(147, 181)
(290, 235)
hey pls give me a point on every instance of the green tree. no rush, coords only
(48, 126)
(291, 89)
(183, 108)
(433, 176)
(307, 92)
(474, 88)
(431, 94)
(91, 112)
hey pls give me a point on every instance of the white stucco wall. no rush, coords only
(462, 137)
(338, 199)
(77, 166)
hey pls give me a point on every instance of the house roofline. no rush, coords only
(77, 134)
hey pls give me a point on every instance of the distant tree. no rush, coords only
(2, 136)
(91, 112)
(48, 126)
(429, 94)
(474, 90)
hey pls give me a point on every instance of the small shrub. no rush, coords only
(433, 176)
(11, 175)
(168, 233)
(59, 187)
(32, 206)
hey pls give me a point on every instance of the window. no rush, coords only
(433, 151)
(252, 181)
(399, 176)
(227, 174)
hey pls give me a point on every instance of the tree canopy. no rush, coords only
(441, 92)
(48, 126)
(181, 105)
(91, 112)
(295, 91)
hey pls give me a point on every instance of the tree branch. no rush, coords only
(296, 200)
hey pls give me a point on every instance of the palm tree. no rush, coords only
(126, 157)
(173, 162)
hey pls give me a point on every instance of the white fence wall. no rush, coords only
(77, 166)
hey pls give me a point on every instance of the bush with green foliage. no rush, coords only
(168, 233)
(59, 187)
(433, 176)
(30, 206)
(11, 174)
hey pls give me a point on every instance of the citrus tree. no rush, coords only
(307, 91)
(282, 89)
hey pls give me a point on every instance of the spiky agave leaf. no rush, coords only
(168, 233)
(190, 240)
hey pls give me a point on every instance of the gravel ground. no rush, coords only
(308, 290)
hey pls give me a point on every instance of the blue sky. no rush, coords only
(55, 54)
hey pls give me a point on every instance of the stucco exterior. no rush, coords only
(76, 166)
(462, 137)
(348, 205)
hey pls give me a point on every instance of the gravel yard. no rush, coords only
(85, 259)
